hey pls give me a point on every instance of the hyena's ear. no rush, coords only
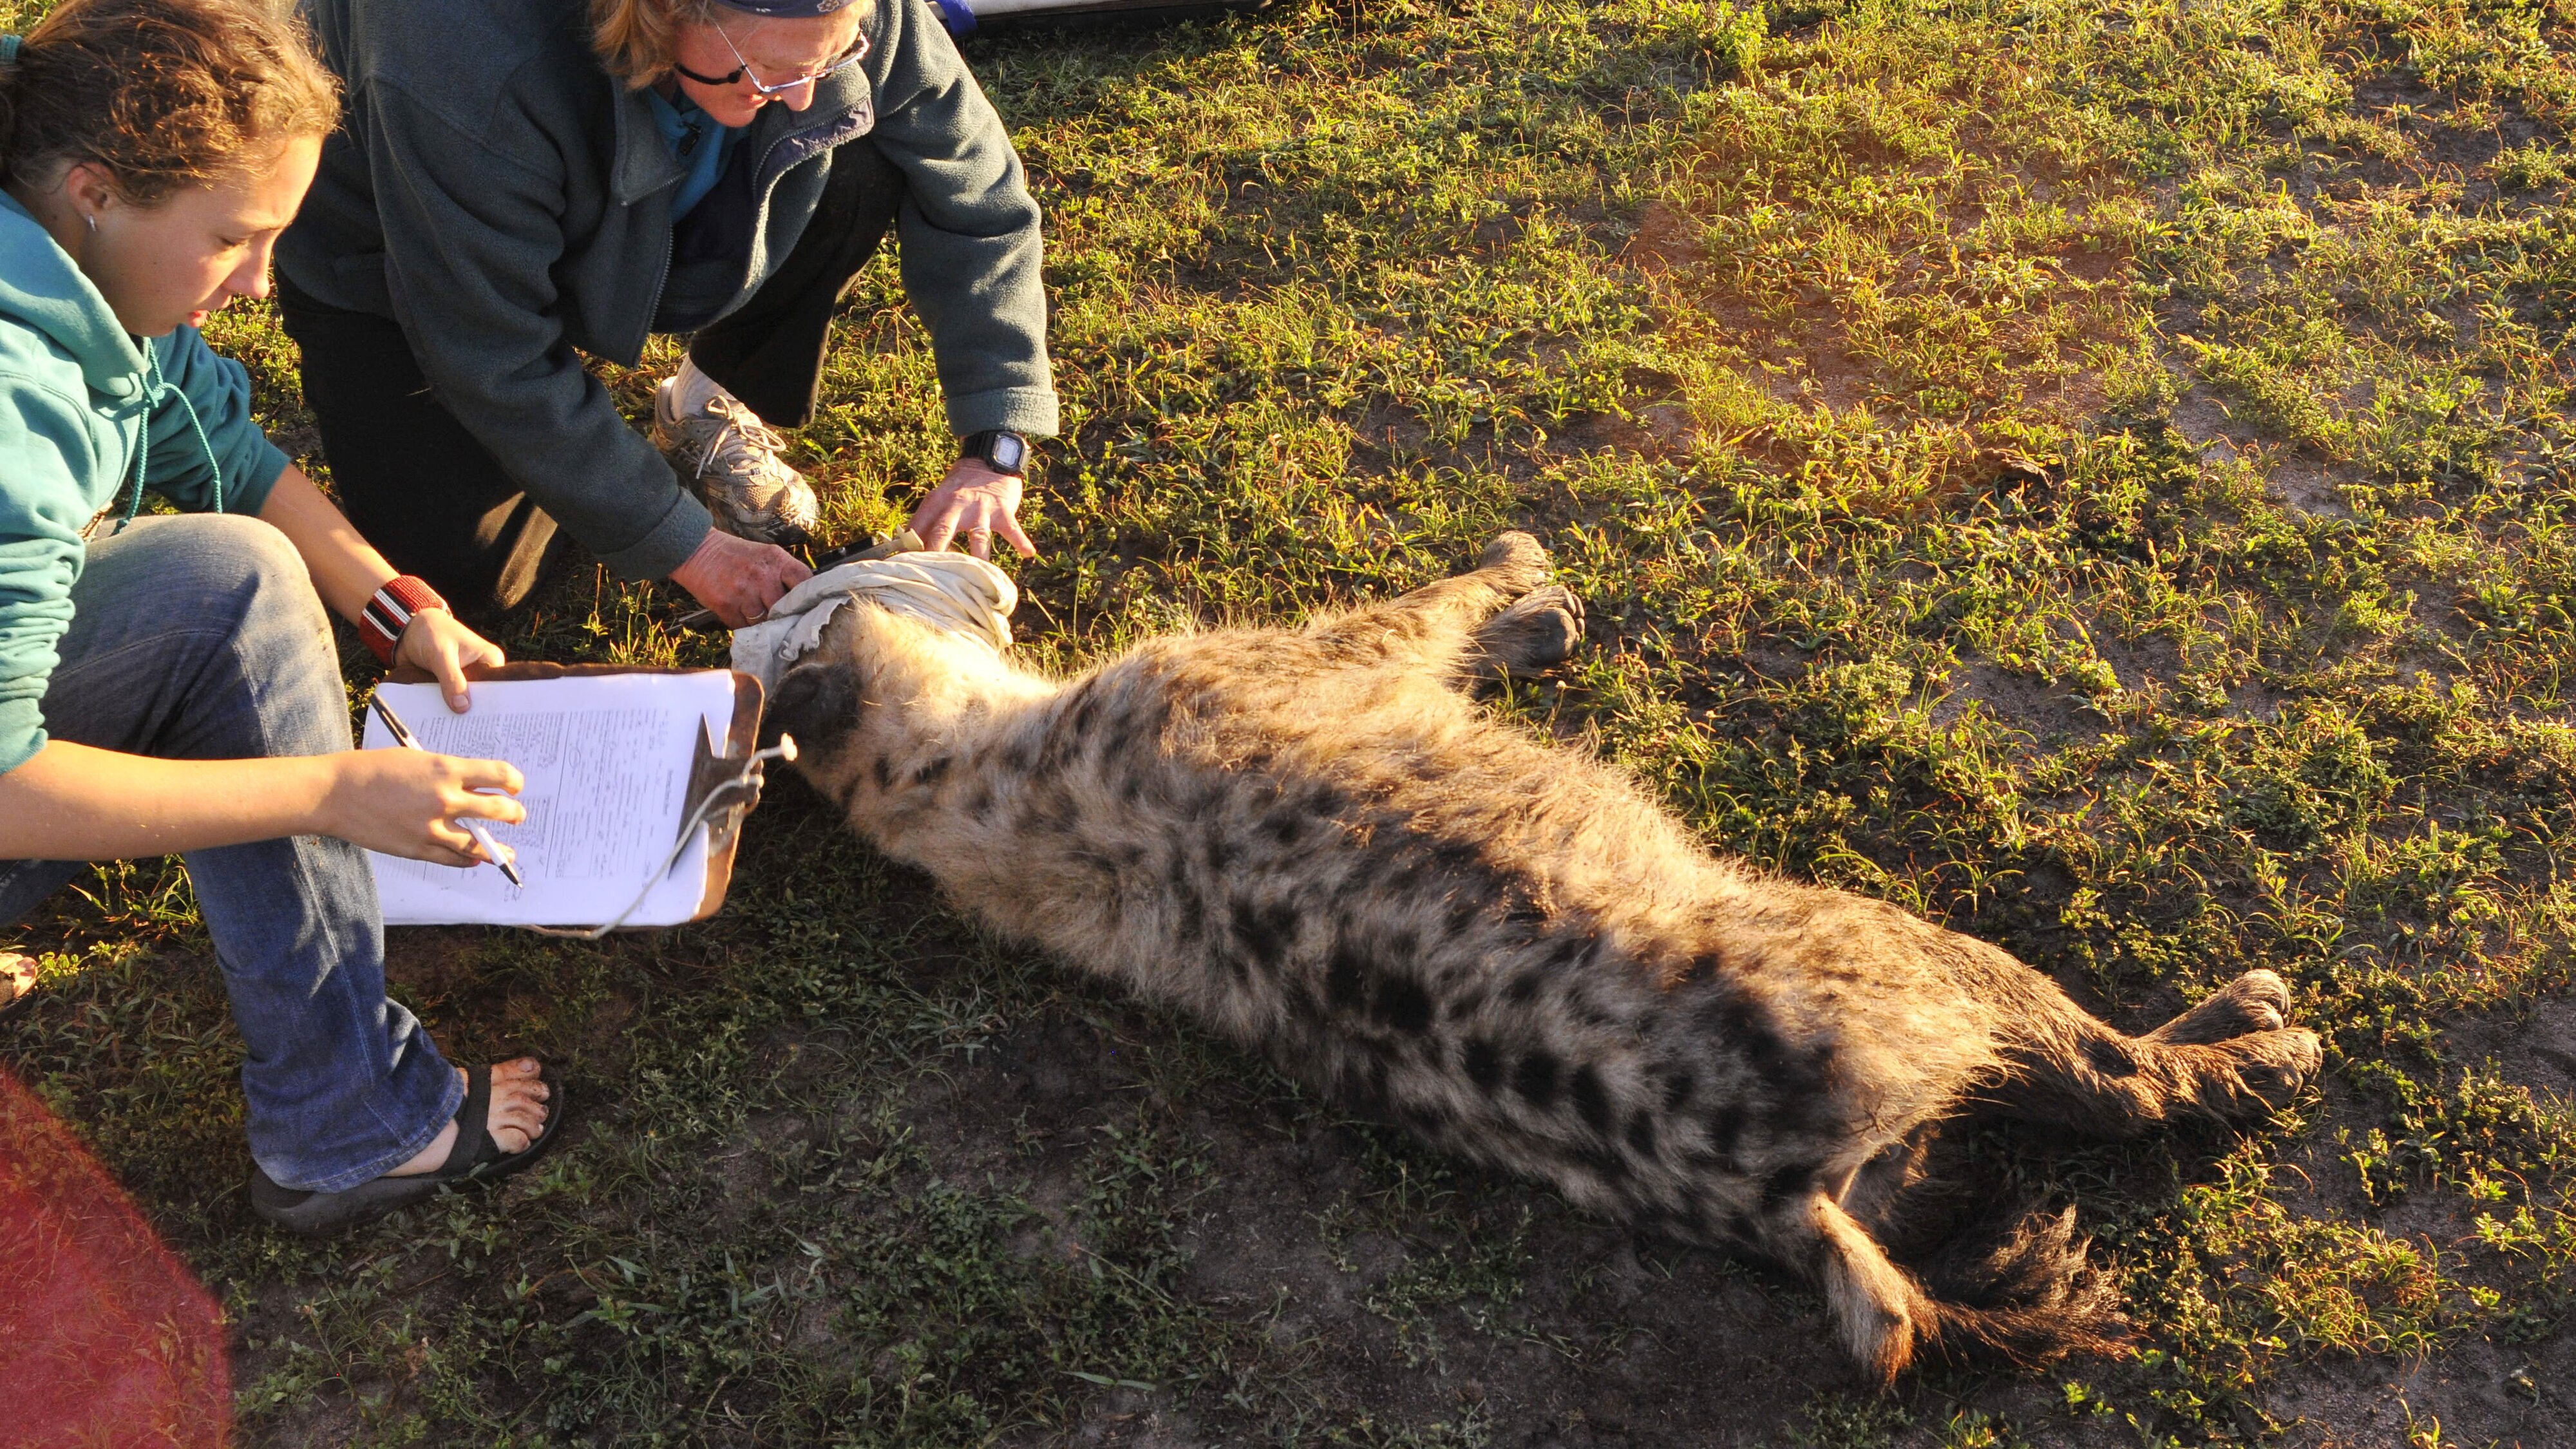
(818, 704)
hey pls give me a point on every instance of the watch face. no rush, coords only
(1009, 452)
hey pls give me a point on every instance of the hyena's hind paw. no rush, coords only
(2246, 1061)
(2255, 1001)
(2262, 1073)
(1518, 562)
(1531, 637)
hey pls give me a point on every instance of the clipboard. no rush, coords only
(716, 761)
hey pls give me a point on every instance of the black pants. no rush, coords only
(437, 503)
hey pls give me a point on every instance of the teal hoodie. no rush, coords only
(77, 396)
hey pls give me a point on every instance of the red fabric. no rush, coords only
(105, 1337)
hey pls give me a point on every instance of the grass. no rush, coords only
(2095, 473)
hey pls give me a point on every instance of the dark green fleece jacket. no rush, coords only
(498, 195)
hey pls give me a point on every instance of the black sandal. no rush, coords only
(475, 1158)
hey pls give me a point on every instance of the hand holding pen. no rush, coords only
(493, 851)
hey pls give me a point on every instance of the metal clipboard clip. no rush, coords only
(724, 788)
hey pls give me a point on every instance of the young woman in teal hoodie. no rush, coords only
(168, 684)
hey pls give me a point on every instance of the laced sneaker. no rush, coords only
(17, 978)
(730, 457)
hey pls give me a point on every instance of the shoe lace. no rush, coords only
(740, 436)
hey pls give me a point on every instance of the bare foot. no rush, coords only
(516, 1116)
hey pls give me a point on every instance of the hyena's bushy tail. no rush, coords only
(2017, 1287)
(2017, 1291)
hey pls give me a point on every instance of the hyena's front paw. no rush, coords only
(2265, 1072)
(1534, 635)
(1518, 561)
(2255, 1001)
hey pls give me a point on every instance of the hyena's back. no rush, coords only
(1313, 841)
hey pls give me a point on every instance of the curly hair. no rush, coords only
(161, 94)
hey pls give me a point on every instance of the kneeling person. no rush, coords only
(523, 181)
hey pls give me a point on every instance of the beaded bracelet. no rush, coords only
(382, 622)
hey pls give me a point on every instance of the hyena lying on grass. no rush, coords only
(1313, 841)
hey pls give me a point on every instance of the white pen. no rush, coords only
(500, 854)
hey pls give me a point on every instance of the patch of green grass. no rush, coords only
(2092, 472)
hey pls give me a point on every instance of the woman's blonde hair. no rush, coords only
(161, 94)
(638, 40)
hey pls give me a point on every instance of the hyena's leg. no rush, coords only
(2255, 1001)
(2229, 1059)
(1880, 1312)
(1434, 626)
(1532, 636)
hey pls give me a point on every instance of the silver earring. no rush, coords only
(92, 219)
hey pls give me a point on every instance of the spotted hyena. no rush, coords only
(1314, 841)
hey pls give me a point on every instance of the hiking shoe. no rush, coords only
(17, 978)
(730, 457)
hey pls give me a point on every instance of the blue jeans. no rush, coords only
(199, 637)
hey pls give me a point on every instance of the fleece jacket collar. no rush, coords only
(43, 287)
(644, 161)
(843, 107)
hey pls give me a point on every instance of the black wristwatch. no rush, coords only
(999, 449)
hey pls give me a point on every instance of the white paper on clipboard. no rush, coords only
(606, 758)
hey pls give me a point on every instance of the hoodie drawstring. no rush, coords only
(154, 390)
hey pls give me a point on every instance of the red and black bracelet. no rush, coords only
(381, 623)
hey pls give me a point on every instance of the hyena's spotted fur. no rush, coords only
(1313, 841)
